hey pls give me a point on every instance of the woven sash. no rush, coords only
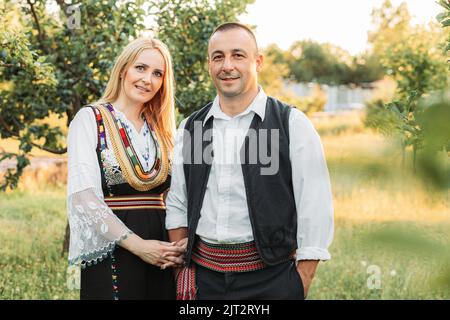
(242, 257)
(134, 202)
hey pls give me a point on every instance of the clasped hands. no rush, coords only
(163, 254)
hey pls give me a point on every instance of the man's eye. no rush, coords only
(238, 55)
(217, 58)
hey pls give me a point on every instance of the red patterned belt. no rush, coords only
(134, 202)
(242, 257)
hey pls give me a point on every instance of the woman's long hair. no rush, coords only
(160, 110)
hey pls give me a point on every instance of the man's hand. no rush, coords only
(182, 244)
(306, 270)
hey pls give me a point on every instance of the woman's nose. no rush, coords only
(147, 79)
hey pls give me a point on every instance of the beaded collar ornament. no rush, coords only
(126, 155)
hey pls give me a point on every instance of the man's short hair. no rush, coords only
(236, 25)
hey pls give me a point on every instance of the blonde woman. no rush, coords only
(119, 153)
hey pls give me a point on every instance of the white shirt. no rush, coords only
(224, 216)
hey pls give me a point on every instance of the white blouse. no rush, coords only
(94, 228)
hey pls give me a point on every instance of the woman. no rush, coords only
(118, 171)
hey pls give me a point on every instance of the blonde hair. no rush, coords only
(160, 110)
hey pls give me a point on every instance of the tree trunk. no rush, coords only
(65, 247)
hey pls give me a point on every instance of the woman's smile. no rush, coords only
(143, 89)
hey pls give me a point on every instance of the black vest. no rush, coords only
(270, 198)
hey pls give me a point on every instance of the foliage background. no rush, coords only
(389, 165)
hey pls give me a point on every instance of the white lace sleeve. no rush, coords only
(94, 228)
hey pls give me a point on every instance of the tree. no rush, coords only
(22, 67)
(272, 78)
(273, 73)
(444, 20)
(185, 26)
(412, 55)
(365, 68)
(392, 25)
(277, 55)
(432, 116)
(54, 63)
(433, 160)
(57, 60)
(310, 61)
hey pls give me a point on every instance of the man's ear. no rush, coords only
(259, 62)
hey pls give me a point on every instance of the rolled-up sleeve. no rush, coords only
(312, 189)
(176, 202)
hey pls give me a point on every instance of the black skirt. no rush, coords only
(124, 275)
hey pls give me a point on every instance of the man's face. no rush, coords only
(233, 62)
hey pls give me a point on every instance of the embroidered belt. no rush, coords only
(133, 202)
(242, 257)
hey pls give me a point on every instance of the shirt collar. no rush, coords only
(258, 106)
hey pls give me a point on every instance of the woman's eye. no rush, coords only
(158, 74)
(140, 68)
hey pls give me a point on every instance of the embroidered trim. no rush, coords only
(150, 201)
(113, 174)
(126, 156)
(92, 258)
(115, 285)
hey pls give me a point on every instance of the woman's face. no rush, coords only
(144, 77)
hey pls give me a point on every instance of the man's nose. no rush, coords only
(227, 64)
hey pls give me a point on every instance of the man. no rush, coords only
(256, 226)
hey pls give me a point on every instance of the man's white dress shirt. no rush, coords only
(224, 216)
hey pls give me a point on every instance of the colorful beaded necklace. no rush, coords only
(126, 155)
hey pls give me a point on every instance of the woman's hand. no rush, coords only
(154, 252)
(160, 253)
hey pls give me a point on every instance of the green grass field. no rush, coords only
(372, 192)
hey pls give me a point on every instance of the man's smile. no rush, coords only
(228, 79)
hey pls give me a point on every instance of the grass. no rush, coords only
(356, 262)
(32, 230)
(372, 190)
